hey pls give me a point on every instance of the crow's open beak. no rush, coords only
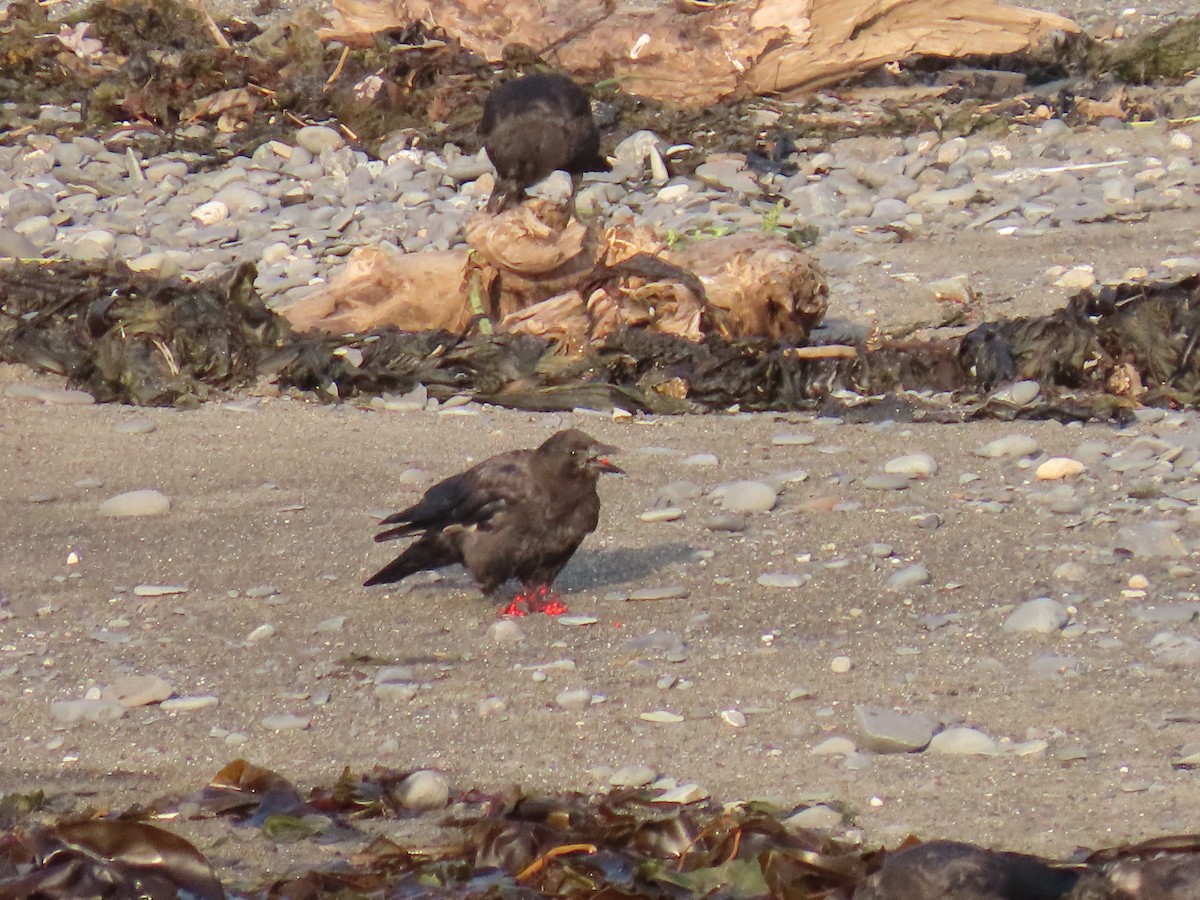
(598, 459)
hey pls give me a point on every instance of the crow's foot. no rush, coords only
(540, 599)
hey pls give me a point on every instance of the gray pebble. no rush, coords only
(745, 496)
(886, 482)
(1042, 615)
(285, 723)
(887, 731)
(136, 503)
(424, 789)
(908, 577)
(71, 712)
(915, 465)
(963, 742)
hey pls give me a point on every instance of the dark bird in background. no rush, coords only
(949, 870)
(520, 514)
(535, 125)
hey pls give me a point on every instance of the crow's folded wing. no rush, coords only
(472, 498)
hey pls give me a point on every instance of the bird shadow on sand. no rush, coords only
(590, 569)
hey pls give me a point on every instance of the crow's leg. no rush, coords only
(544, 600)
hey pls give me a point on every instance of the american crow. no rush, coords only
(520, 514)
(535, 125)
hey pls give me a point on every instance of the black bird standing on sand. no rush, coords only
(535, 125)
(520, 514)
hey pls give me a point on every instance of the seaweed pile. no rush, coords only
(133, 338)
(629, 843)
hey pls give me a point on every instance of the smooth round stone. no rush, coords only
(746, 496)
(135, 426)
(317, 138)
(70, 712)
(783, 580)
(52, 396)
(915, 465)
(576, 699)
(661, 717)
(667, 514)
(1070, 571)
(424, 789)
(793, 440)
(1019, 393)
(14, 245)
(733, 717)
(1042, 615)
(39, 229)
(285, 723)
(138, 690)
(887, 482)
(211, 213)
(136, 503)
(1012, 446)
(963, 742)
(701, 459)
(158, 590)
(26, 202)
(834, 746)
(840, 665)
(190, 703)
(165, 265)
(1058, 468)
(908, 577)
(241, 200)
(632, 777)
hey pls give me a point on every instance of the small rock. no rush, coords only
(632, 777)
(138, 690)
(887, 482)
(661, 716)
(1042, 615)
(286, 723)
(963, 742)
(914, 465)
(783, 580)
(136, 503)
(424, 789)
(745, 496)
(1058, 468)
(834, 746)
(189, 703)
(574, 699)
(820, 816)
(888, 731)
(908, 577)
(71, 712)
(1012, 446)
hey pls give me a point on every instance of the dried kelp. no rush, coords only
(133, 338)
(104, 858)
(628, 843)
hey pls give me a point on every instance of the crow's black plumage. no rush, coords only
(950, 870)
(517, 515)
(535, 125)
